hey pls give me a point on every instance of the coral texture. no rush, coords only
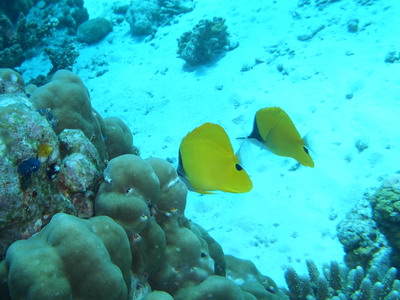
(94, 30)
(363, 243)
(44, 173)
(15, 43)
(145, 16)
(386, 213)
(119, 138)
(148, 199)
(208, 40)
(70, 258)
(69, 100)
(337, 282)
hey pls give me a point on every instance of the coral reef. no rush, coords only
(148, 200)
(363, 243)
(139, 239)
(386, 213)
(69, 100)
(145, 16)
(25, 201)
(44, 173)
(68, 13)
(78, 259)
(94, 30)
(250, 280)
(15, 43)
(79, 173)
(337, 282)
(27, 27)
(207, 40)
(119, 138)
(61, 58)
(13, 8)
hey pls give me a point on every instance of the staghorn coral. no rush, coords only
(338, 283)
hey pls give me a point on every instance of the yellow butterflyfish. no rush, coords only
(207, 162)
(274, 129)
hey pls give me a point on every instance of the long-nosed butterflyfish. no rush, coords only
(274, 129)
(207, 162)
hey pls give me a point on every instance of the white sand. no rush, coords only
(289, 216)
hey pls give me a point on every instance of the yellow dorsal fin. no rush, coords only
(274, 117)
(212, 133)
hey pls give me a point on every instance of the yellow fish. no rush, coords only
(207, 162)
(276, 131)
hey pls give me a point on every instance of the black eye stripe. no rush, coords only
(238, 167)
(305, 150)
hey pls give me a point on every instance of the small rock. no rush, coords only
(94, 30)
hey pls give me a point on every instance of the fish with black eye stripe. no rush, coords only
(208, 163)
(274, 130)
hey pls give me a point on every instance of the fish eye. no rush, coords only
(306, 149)
(238, 167)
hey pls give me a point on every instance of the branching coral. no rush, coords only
(337, 282)
(15, 44)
